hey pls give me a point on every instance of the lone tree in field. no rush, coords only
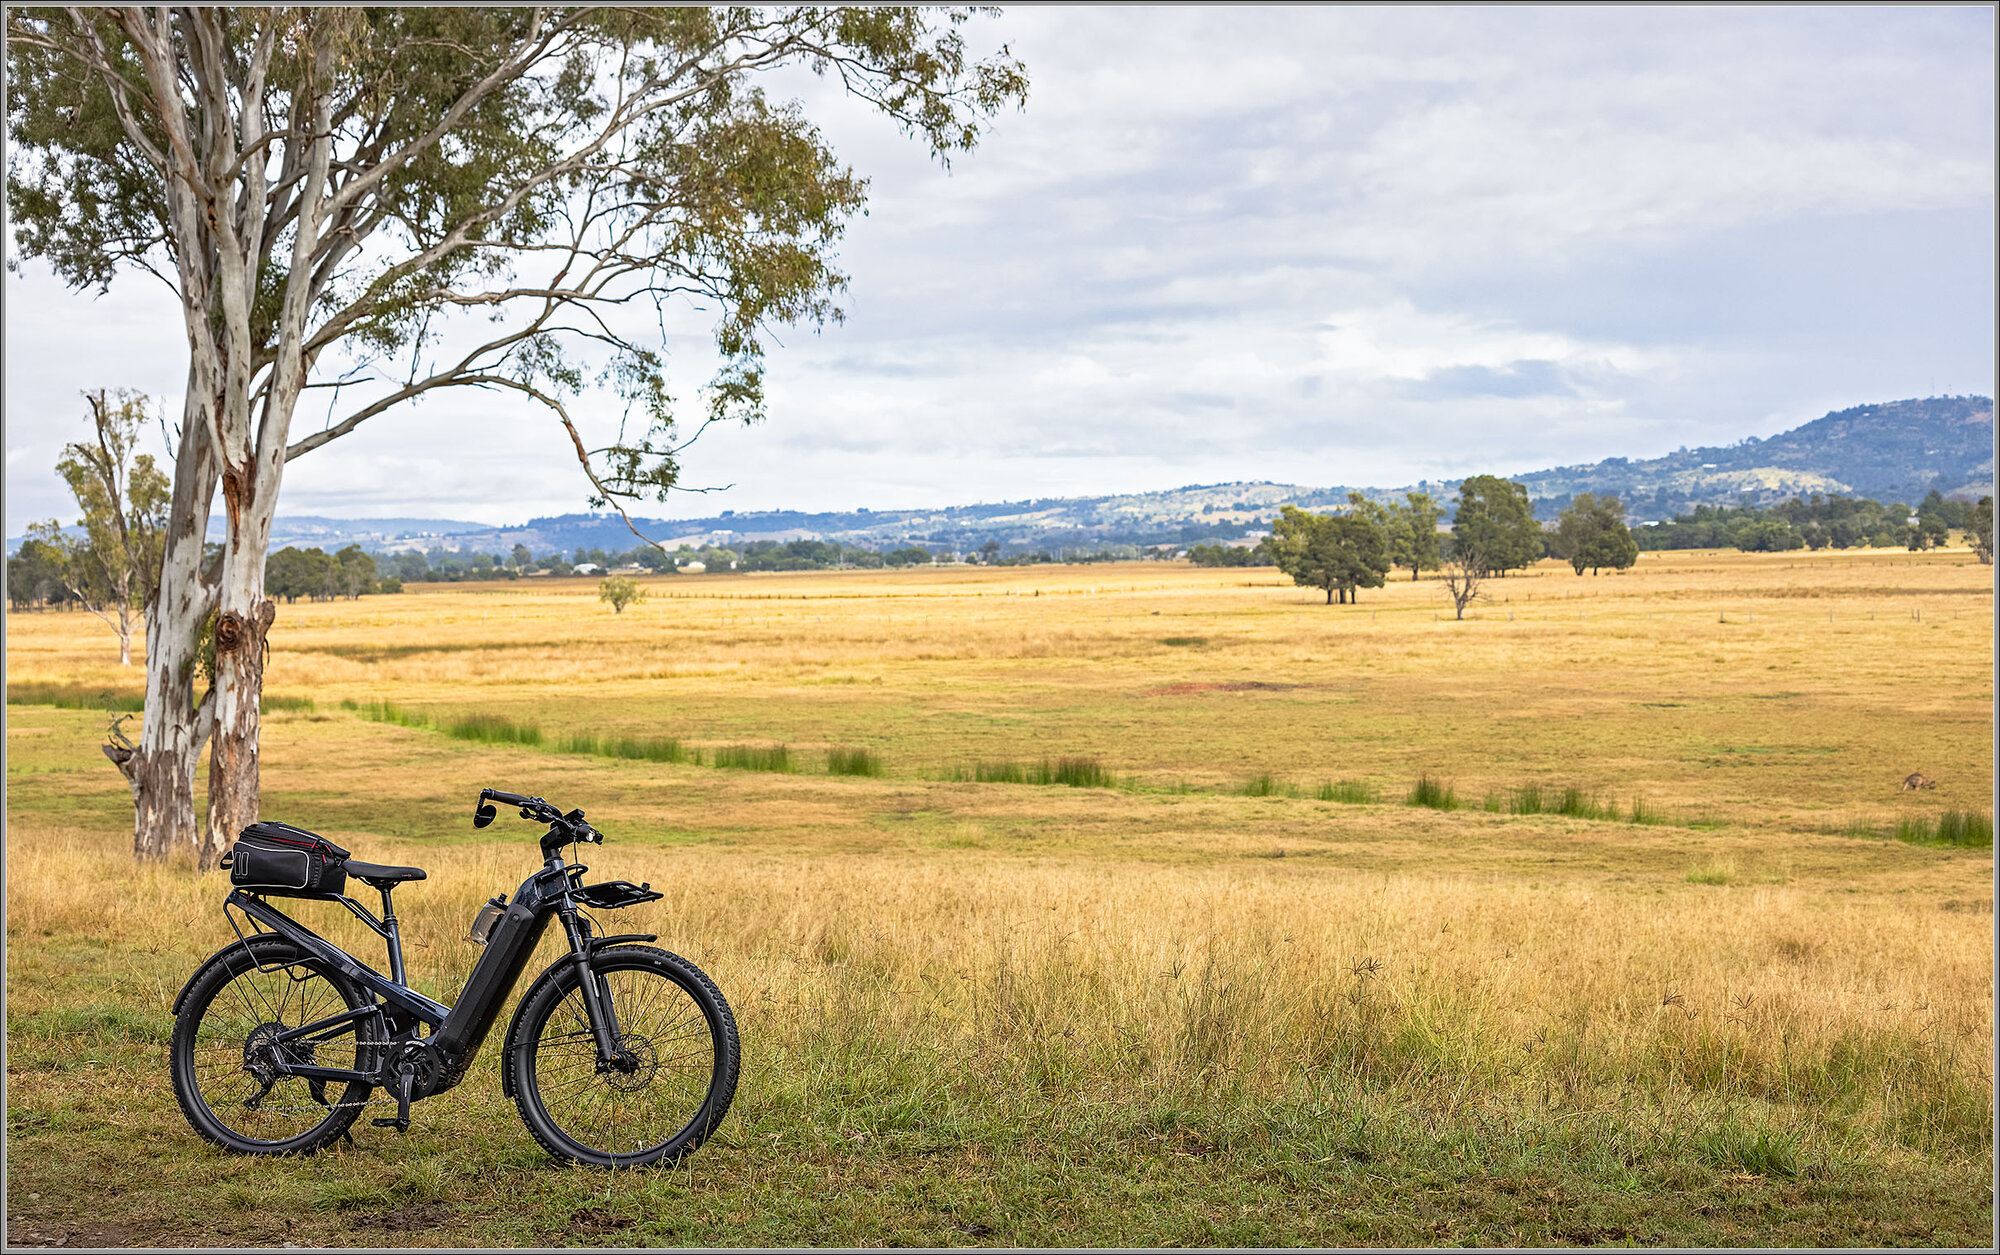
(1335, 552)
(1495, 523)
(323, 188)
(114, 569)
(1591, 532)
(621, 591)
(1463, 572)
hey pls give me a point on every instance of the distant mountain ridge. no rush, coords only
(1893, 451)
(1896, 451)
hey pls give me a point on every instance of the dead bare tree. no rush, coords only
(1463, 571)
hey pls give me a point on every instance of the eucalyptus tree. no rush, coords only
(323, 189)
(1337, 553)
(110, 569)
(1591, 532)
(1415, 537)
(1495, 525)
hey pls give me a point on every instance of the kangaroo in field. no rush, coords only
(1918, 780)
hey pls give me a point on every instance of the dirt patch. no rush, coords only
(412, 1218)
(83, 1236)
(591, 1222)
(1594, 1235)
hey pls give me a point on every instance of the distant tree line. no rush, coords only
(317, 575)
(1493, 531)
(1819, 522)
(415, 566)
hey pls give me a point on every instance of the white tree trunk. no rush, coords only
(242, 625)
(161, 770)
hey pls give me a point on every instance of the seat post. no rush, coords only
(395, 936)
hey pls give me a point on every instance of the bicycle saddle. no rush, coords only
(380, 876)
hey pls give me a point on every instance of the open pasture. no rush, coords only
(1240, 994)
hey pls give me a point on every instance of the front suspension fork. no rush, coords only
(596, 992)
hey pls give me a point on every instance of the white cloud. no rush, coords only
(1355, 244)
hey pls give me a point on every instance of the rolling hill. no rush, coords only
(1893, 451)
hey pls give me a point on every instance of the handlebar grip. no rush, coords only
(505, 798)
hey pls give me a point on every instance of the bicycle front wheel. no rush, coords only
(230, 1051)
(672, 1081)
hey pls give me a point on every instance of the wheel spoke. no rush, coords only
(654, 1097)
(232, 1049)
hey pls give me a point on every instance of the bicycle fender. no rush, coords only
(620, 939)
(260, 941)
(549, 973)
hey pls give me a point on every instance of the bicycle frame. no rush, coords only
(450, 1035)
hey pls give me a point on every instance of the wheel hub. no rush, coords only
(635, 1065)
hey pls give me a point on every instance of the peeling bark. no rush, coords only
(175, 725)
(233, 779)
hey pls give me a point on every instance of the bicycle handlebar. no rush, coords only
(563, 829)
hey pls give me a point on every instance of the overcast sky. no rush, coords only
(1360, 246)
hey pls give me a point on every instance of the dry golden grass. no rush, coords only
(920, 959)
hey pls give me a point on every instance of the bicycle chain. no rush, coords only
(338, 1106)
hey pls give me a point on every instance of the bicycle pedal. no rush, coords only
(399, 1123)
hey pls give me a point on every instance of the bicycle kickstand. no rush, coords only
(405, 1080)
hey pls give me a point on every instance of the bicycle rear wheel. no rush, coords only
(227, 1056)
(674, 1078)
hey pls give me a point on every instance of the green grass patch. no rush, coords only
(852, 761)
(1353, 792)
(753, 757)
(645, 749)
(1532, 799)
(82, 697)
(1265, 785)
(389, 712)
(1644, 812)
(1758, 1151)
(1963, 830)
(1433, 793)
(1713, 872)
(75, 697)
(1184, 642)
(1077, 773)
(492, 730)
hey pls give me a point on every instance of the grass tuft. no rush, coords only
(645, 749)
(1759, 1152)
(1265, 785)
(1644, 812)
(1964, 830)
(1712, 872)
(842, 761)
(1077, 773)
(389, 712)
(753, 757)
(492, 730)
(1433, 793)
(1353, 792)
